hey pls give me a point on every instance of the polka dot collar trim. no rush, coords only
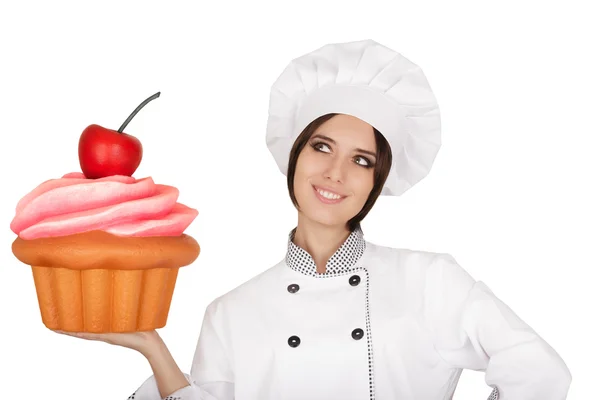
(342, 261)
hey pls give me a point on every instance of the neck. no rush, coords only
(320, 241)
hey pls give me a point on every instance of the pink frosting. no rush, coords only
(120, 205)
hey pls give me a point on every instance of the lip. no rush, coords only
(326, 200)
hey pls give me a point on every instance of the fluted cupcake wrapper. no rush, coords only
(104, 300)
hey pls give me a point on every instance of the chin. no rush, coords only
(323, 216)
(328, 220)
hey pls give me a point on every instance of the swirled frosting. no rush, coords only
(119, 205)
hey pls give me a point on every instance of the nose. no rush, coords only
(336, 170)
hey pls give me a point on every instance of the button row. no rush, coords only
(354, 281)
(357, 334)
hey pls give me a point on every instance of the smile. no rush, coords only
(328, 197)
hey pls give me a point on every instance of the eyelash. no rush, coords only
(314, 145)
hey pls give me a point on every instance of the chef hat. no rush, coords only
(371, 82)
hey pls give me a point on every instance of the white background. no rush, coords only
(513, 194)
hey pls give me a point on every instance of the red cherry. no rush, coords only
(106, 152)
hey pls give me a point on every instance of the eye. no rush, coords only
(366, 162)
(318, 145)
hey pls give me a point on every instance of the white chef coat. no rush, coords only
(382, 323)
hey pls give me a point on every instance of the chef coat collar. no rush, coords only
(342, 261)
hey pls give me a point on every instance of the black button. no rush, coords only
(294, 341)
(358, 333)
(293, 288)
(355, 280)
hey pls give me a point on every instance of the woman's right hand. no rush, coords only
(142, 342)
(167, 374)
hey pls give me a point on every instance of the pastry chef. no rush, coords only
(340, 317)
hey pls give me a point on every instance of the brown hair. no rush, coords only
(382, 168)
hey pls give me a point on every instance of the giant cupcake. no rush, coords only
(104, 247)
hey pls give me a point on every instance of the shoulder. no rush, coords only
(435, 267)
(398, 257)
(250, 289)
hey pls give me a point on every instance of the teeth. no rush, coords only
(328, 195)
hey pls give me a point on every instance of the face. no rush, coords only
(335, 171)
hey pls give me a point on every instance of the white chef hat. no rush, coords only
(371, 82)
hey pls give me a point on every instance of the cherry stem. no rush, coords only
(128, 120)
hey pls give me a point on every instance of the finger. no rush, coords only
(82, 335)
(88, 336)
(64, 332)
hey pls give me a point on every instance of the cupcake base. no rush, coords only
(103, 300)
(97, 282)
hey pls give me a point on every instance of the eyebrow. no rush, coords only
(327, 138)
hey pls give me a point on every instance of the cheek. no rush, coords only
(308, 165)
(304, 171)
(362, 184)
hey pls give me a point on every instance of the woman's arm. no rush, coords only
(211, 376)
(167, 374)
(473, 329)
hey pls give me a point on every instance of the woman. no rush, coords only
(339, 317)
